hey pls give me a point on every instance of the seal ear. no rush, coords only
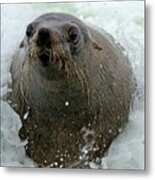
(21, 45)
(96, 46)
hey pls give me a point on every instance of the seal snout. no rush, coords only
(44, 42)
(49, 47)
(44, 37)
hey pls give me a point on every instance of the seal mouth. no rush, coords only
(48, 56)
(44, 58)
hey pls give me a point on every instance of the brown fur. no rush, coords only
(96, 83)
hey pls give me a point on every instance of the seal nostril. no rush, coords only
(43, 35)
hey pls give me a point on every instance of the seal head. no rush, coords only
(56, 40)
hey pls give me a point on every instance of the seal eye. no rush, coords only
(29, 30)
(73, 34)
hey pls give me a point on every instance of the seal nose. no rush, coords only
(43, 35)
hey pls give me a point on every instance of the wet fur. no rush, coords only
(98, 84)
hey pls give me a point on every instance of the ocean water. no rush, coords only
(125, 22)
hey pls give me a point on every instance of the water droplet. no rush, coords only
(110, 131)
(86, 151)
(104, 145)
(57, 156)
(9, 101)
(86, 163)
(9, 90)
(120, 130)
(114, 84)
(61, 166)
(51, 165)
(14, 105)
(80, 157)
(31, 152)
(61, 159)
(66, 103)
(101, 66)
(96, 148)
(56, 163)
(118, 117)
(26, 115)
(100, 136)
(35, 126)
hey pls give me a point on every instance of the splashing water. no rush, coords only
(125, 21)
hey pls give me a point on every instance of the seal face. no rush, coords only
(72, 87)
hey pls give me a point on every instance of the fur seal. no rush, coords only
(73, 88)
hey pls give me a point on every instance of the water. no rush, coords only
(125, 21)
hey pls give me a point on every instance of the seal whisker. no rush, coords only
(86, 85)
(79, 76)
(50, 55)
(60, 56)
(22, 89)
